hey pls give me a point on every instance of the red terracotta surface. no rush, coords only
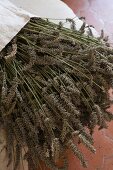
(97, 12)
(103, 142)
(100, 14)
(102, 160)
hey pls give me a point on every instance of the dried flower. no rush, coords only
(53, 84)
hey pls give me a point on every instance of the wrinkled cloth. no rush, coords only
(13, 19)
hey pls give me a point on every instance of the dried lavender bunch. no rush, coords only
(54, 84)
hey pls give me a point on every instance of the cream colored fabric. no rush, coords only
(45, 8)
(13, 18)
(3, 156)
(11, 21)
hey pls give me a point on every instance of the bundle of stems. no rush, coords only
(54, 86)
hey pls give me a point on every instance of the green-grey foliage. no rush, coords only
(54, 85)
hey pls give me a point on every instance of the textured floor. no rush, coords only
(97, 12)
(100, 14)
(103, 159)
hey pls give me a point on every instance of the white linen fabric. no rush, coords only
(11, 21)
(13, 18)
